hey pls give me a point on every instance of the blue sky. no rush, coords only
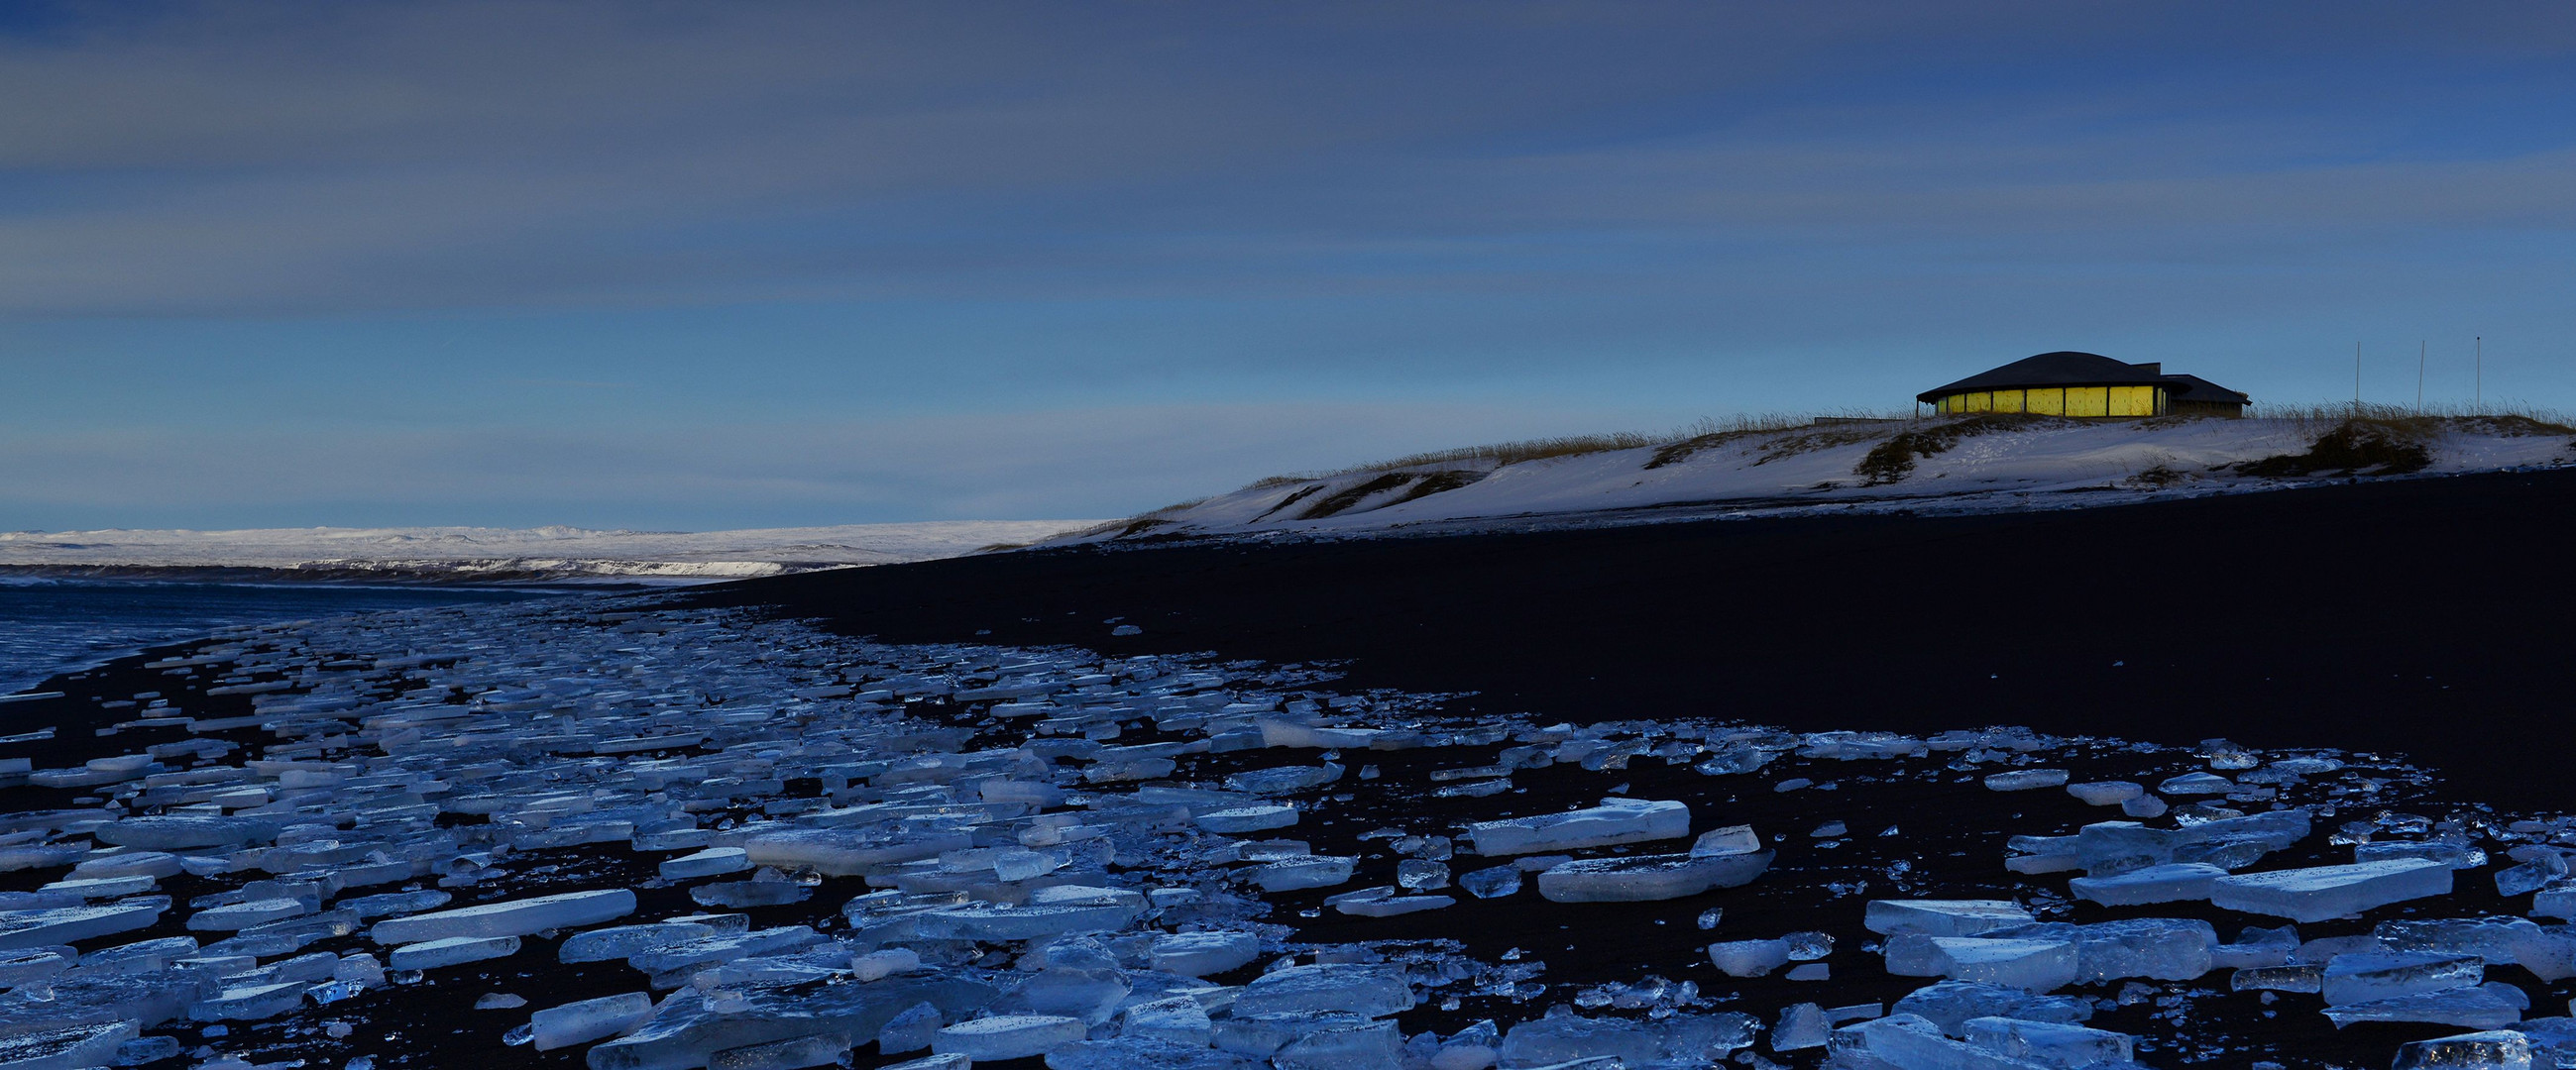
(696, 266)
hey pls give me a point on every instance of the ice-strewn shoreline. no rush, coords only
(515, 554)
(688, 838)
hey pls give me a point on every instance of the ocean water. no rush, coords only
(49, 626)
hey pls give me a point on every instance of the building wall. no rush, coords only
(2102, 401)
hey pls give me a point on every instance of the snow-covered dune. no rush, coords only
(1967, 464)
(521, 553)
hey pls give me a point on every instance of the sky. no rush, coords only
(694, 266)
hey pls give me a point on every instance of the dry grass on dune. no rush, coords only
(2507, 419)
(1671, 445)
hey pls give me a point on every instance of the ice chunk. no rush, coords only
(516, 917)
(165, 833)
(69, 1047)
(1353, 988)
(995, 922)
(2256, 948)
(1748, 958)
(1319, 871)
(1950, 1004)
(2307, 977)
(2038, 965)
(1802, 1026)
(1731, 840)
(64, 925)
(2466, 1008)
(2454, 855)
(795, 1053)
(250, 1002)
(689, 1025)
(623, 941)
(2105, 792)
(1140, 1053)
(1647, 877)
(846, 852)
(1492, 882)
(751, 893)
(2155, 884)
(1472, 1048)
(377, 906)
(1008, 1036)
(1361, 1046)
(1091, 994)
(1243, 819)
(1907, 1042)
(20, 966)
(2167, 949)
(2317, 893)
(2500, 941)
(583, 1021)
(1941, 917)
(2025, 779)
(233, 916)
(706, 863)
(2363, 978)
(453, 950)
(1203, 953)
(911, 1030)
(1615, 821)
(2108, 847)
(1560, 1039)
(1176, 1019)
(1421, 875)
(2049, 1043)
(2502, 1049)
(2197, 784)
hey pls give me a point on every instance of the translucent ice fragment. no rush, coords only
(1491, 882)
(1354, 988)
(2025, 779)
(1615, 821)
(583, 1021)
(1647, 877)
(516, 917)
(1008, 1036)
(2106, 792)
(2049, 1043)
(1941, 917)
(2320, 892)
(2154, 884)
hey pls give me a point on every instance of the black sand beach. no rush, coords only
(2421, 616)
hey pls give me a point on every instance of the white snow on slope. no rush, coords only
(559, 552)
(2045, 464)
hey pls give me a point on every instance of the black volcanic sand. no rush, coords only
(2422, 616)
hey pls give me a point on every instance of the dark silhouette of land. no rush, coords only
(2423, 616)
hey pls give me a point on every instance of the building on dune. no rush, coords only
(2068, 383)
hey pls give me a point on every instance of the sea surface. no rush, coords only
(50, 626)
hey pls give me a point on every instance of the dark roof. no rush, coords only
(2195, 388)
(2070, 368)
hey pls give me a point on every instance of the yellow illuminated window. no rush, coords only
(2132, 401)
(1981, 402)
(2088, 401)
(2008, 401)
(2051, 401)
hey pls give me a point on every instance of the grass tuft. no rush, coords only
(1894, 459)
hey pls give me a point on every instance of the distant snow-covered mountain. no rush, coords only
(545, 553)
